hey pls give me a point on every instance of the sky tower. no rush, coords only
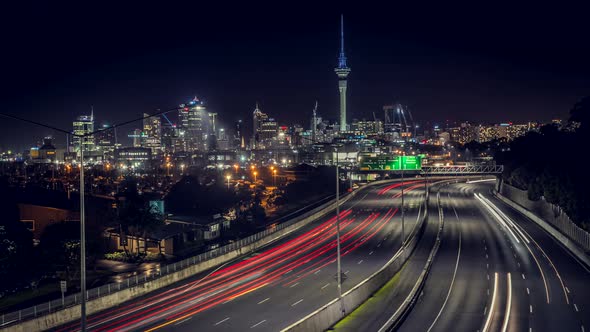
(342, 71)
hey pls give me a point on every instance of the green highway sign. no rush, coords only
(391, 163)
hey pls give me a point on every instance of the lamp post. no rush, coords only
(228, 177)
(82, 242)
(236, 167)
(402, 167)
(255, 173)
(338, 268)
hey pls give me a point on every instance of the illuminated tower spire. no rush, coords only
(342, 71)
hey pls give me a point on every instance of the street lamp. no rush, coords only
(236, 167)
(228, 177)
(255, 173)
(402, 167)
(182, 169)
(274, 177)
(338, 268)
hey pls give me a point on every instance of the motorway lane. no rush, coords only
(282, 282)
(478, 242)
(567, 279)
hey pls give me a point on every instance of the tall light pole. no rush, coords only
(339, 268)
(255, 173)
(402, 167)
(228, 177)
(82, 242)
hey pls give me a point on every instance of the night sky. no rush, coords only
(491, 63)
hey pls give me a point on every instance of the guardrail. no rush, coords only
(69, 301)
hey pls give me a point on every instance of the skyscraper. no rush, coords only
(83, 125)
(152, 129)
(105, 141)
(342, 71)
(195, 122)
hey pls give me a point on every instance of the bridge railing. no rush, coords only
(462, 169)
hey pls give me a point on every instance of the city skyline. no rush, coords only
(288, 70)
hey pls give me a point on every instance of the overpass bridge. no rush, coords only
(455, 170)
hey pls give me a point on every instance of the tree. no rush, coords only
(16, 241)
(60, 248)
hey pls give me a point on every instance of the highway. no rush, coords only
(283, 282)
(498, 271)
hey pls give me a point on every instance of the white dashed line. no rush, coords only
(261, 302)
(528, 291)
(221, 321)
(326, 285)
(371, 253)
(488, 277)
(262, 321)
(360, 262)
(576, 307)
(523, 277)
(567, 289)
(184, 320)
(296, 303)
(295, 284)
(288, 271)
(531, 308)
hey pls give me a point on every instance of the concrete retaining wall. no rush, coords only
(518, 200)
(96, 305)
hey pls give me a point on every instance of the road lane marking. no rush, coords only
(371, 252)
(326, 285)
(528, 291)
(486, 326)
(288, 271)
(452, 280)
(261, 302)
(567, 289)
(295, 284)
(221, 321)
(531, 308)
(360, 262)
(296, 303)
(488, 277)
(576, 307)
(316, 272)
(182, 321)
(262, 321)
(508, 304)
(523, 277)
